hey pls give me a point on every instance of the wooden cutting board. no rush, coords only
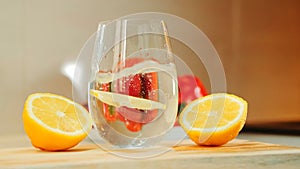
(236, 154)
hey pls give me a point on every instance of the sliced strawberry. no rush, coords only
(149, 87)
(135, 84)
(131, 86)
(139, 85)
(133, 126)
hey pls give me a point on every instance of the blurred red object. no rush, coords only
(189, 88)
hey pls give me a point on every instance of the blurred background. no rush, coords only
(257, 40)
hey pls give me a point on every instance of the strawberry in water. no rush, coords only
(146, 88)
(108, 111)
(147, 85)
(135, 85)
(149, 91)
(190, 88)
(133, 126)
(142, 86)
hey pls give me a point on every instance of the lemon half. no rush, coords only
(214, 119)
(53, 122)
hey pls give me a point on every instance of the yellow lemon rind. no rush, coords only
(227, 133)
(38, 131)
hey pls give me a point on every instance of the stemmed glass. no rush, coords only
(133, 93)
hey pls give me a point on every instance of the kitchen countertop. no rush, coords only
(287, 140)
(177, 133)
(277, 151)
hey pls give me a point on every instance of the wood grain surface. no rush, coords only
(235, 154)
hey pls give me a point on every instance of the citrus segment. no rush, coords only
(214, 119)
(117, 100)
(53, 122)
